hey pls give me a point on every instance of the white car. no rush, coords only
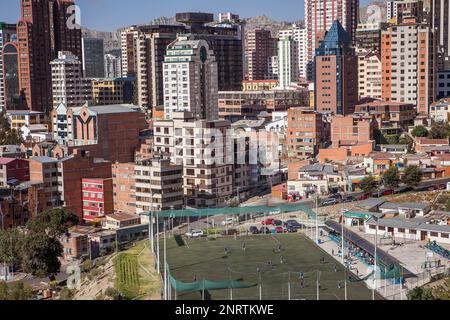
(195, 234)
(227, 221)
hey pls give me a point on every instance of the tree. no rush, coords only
(368, 184)
(392, 138)
(11, 246)
(41, 255)
(55, 223)
(438, 131)
(412, 176)
(419, 131)
(66, 294)
(391, 178)
(41, 246)
(8, 136)
(15, 291)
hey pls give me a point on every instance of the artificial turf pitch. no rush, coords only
(199, 259)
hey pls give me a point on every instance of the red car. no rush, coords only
(388, 192)
(363, 197)
(267, 222)
(279, 229)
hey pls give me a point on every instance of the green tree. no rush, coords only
(391, 178)
(408, 141)
(8, 136)
(438, 131)
(392, 138)
(15, 291)
(54, 223)
(420, 293)
(11, 246)
(41, 246)
(368, 184)
(41, 255)
(419, 131)
(66, 294)
(412, 176)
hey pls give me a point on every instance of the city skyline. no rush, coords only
(118, 17)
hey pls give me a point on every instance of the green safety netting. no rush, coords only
(205, 285)
(393, 271)
(285, 208)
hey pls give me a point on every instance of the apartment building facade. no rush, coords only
(408, 60)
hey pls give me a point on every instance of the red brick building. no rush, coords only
(97, 199)
(13, 170)
(110, 132)
(351, 130)
(62, 178)
(336, 73)
(124, 187)
(305, 132)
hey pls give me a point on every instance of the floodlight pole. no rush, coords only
(150, 226)
(157, 243)
(317, 216)
(375, 264)
(165, 262)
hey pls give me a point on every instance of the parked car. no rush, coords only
(329, 202)
(195, 234)
(363, 197)
(349, 199)
(279, 229)
(267, 222)
(296, 225)
(264, 230)
(291, 229)
(227, 221)
(288, 222)
(277, 222)
(388, 192)
(253, 230)
(442, 187)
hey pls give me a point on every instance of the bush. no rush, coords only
(66, 294)
(112, 293)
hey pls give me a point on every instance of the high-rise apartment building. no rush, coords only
(404, 9)
(7, 34)
(259, 48)
(368, 36)
(67, 81)
(320, 16)
(143, 51)
(204, 149)
(11, 85)
(113, 67)
(42, 32)
(408, 61)
(190, 79)
(158, 185)
(299, 37)
(93, 58)
(336, 73)
(369, 74)
(441, 28)
(287, 62)
(144, 47)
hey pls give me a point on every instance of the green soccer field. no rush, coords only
(205, 259)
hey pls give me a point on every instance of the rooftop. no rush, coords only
(122, 216)
(44, 159)
(6, 160)
(110, 109)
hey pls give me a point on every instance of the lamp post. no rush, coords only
(375, 259)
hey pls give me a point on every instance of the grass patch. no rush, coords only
(136, 278)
